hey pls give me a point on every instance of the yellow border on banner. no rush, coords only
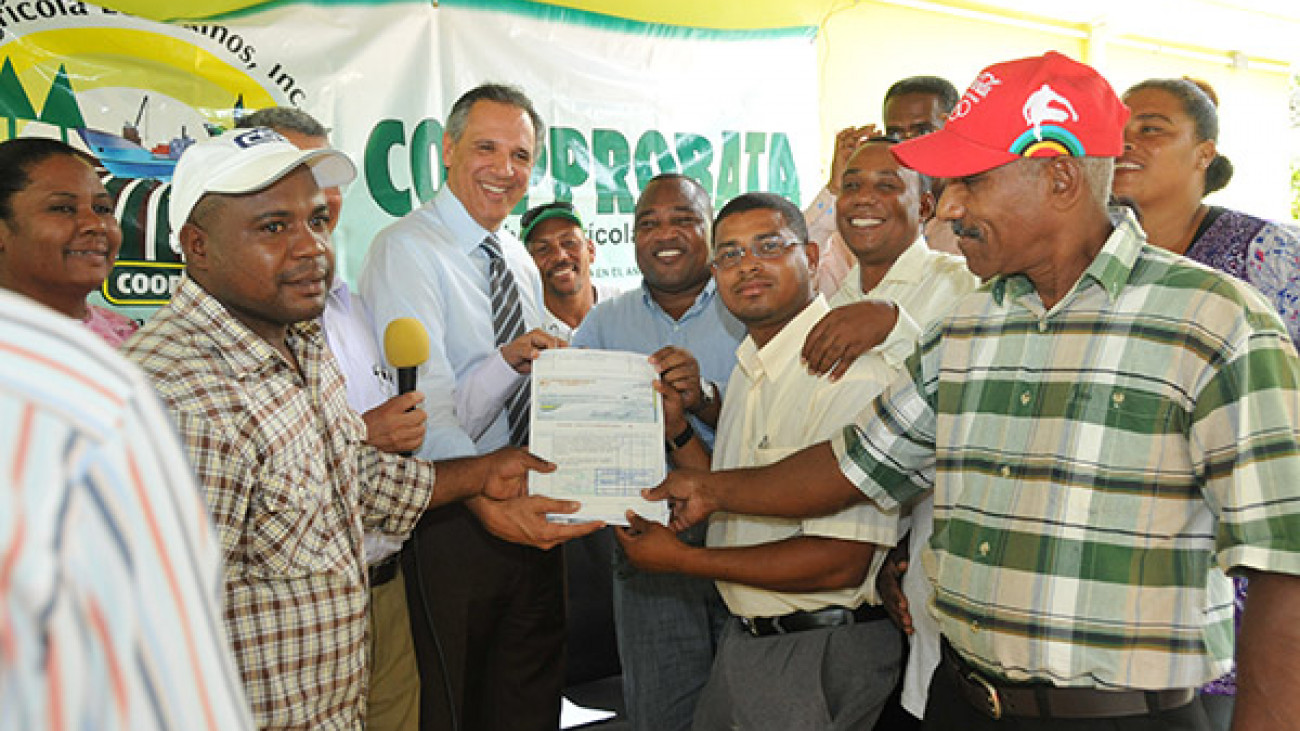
(126, 58)
(734, 15)
(752, 14)
(171, 10)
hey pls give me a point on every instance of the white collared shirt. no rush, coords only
(368, 382)
(923, 282)
(773, 408)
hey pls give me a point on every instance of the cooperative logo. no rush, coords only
(134, 95)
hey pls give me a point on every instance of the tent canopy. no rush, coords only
(1258, 30)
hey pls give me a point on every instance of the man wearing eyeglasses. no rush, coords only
(810, 646)
(668, 624)
(553, 234)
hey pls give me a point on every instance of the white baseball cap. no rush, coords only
(246, 161)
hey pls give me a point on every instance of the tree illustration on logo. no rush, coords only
(61, 106)
(14, 102)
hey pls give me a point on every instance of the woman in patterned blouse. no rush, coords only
(1170, 163)
(58, 235)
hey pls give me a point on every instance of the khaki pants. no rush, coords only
(393, 703)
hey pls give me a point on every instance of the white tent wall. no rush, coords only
(866, 47)
(1254, 124)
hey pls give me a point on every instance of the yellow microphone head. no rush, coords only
(406, 343)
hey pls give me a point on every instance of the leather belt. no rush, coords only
(820, 619)
(385, 571)
(996, 698)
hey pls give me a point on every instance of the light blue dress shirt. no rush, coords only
(429, 265)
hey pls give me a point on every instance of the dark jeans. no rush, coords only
(668, 627)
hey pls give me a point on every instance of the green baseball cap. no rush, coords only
(545, 212)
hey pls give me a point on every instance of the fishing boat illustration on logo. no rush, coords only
(125, 156)
(139, 178)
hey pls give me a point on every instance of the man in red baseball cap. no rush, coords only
(1046, 106)
(1106, 429)
(1037, 110)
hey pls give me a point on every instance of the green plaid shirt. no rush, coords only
(1091, 462)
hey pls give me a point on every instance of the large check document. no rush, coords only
(597, 416)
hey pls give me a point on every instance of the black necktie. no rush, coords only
(508, 324)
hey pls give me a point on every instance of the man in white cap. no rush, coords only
(238, 357)
(1100, 423)
(394, 423)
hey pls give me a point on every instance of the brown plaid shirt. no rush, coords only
(290, 485)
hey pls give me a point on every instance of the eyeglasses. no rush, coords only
(772, 247)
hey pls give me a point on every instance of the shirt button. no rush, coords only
(1006, 470)
(1026, 397)
(984, 548)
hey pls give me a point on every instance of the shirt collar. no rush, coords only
(1110, 269)
(702, 299)
(245, 351)
(340, 296)
(465, 231)
(909, 266)
(781, 353)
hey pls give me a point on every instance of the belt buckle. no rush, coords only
(994, 702)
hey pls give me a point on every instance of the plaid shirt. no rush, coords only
(1090, 462)
(290, 484)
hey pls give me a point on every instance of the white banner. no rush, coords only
(623, 101)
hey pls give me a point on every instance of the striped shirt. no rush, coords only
(280, 457)
(110, 572)
(1088, 464)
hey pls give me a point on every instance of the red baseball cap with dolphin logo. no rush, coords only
(1044, 106)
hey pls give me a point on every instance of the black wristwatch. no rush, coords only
(680, 440)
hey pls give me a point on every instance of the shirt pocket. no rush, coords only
(1126, 449)
(296, 529)
(1123, 426)
(764, 456)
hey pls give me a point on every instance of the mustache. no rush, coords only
(308, 270)
(745, 281)
(964, 231)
